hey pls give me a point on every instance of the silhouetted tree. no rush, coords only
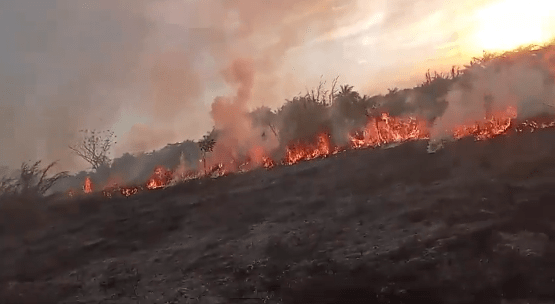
(346, 90)
(206, 144)
(95, 147)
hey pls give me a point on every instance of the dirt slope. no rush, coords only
(472, 223)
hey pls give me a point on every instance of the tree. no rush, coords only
(320, 95)
(346, 92)
(206, 144)
(95, 147)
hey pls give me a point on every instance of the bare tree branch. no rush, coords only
(95, 148)
(333, 90)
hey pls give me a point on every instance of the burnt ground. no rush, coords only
(473, 223)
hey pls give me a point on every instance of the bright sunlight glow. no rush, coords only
(508, 24)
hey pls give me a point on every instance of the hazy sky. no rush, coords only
(149, 70)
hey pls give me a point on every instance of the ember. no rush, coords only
(129, 191)
(535, 124)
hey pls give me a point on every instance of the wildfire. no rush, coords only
(87, 187)
(497, 124)
(160, 178)
(387, 129)
(217, 171)
(378, 131)
(537, 123)
(302, 151)
(183, 175)
(128, 191)
(257, 157)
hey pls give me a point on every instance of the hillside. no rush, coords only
(332, 198)
(471, 223)
(481, 99)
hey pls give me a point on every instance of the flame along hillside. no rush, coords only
(381, 128)
(378, 132)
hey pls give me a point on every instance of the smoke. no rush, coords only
(237, 133)
(159, 72)
(135, 169)
(139, 67)
(525, 81)
(346, 116)
(64, 70)
(176, 87)
(142, 138)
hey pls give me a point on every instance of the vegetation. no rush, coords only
(95, 147)
(335, 110)
(32, 181)
(206, 144)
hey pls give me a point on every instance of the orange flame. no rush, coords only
(495, 125)
(257, 157)
(378, 131)
(217, 171)
(160, 178)
(301, 151)
(387, 129)
(87, 187)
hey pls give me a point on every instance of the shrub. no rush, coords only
(32, 181)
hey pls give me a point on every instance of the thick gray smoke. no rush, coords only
(142, 67)
(133, 170)
(159, 72)
(525, 81)
(64, 67)
(147, 69)
(150, 70)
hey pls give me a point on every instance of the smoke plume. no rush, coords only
(142, 68)
(525, 81)
(159, 72)
(238, 135)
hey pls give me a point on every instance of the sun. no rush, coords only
(507, 24)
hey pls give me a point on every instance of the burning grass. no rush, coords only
(387, 129)
(496, 124)
(324, 123)
(379, 131)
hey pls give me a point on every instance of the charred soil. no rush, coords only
(472, 223)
